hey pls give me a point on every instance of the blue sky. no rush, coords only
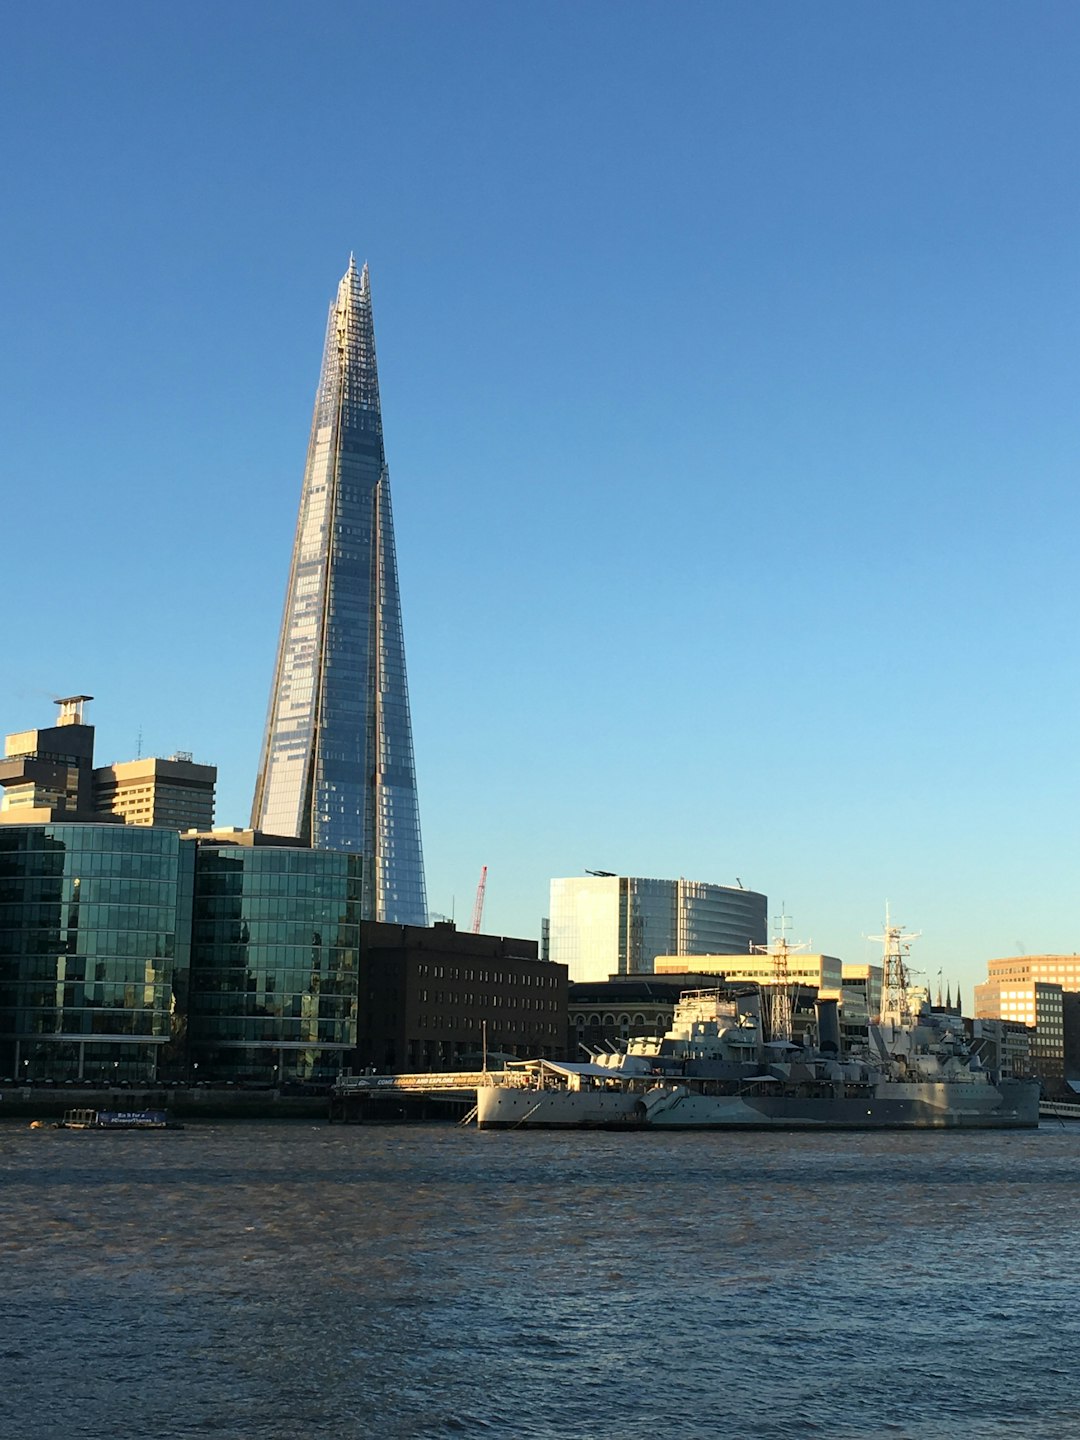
(729, 360)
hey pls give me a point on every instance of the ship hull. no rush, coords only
(892, 1106)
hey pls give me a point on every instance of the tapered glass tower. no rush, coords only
(337, 763)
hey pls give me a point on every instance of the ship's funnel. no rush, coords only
(828, 1027)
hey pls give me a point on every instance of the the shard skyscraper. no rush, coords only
(337, 763)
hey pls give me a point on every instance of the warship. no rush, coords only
(731, 1062)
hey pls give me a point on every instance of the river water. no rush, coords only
(250, 1280)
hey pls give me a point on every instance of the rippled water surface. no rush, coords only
(297, 1280)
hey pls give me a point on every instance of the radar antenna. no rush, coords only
(777, 993)
(896, 977)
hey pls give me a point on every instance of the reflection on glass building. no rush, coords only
(94, 940)
(604, 925)
(274, 962)
(337, 766)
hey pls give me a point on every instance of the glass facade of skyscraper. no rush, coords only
(337, 769)
(94, 944)
(274, 962)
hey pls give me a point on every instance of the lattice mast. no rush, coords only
(896, 976)
(778, 993)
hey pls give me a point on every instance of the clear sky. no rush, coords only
(729, 371)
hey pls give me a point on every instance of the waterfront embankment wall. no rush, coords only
(38, 1102)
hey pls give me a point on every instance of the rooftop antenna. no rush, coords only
(138, 749)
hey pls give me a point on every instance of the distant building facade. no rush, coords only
(1063, 970)
(174, 792)
(47, 774)
(1002, 1045)
(1037, 1004)
(860, 1001)
(822, 972)
(1070, 1016)
(605, 925)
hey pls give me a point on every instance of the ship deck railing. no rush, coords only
(522, 1074)
(1059, 1109)
(449, 1082)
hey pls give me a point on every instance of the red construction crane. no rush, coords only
(478, 908)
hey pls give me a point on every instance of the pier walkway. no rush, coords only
(355, 1098)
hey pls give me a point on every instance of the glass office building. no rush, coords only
(94, 947)
(605, 925)
(274, 962)
(337, 765)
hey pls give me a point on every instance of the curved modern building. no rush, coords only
(95, 924)
(274, 962)
(337, 768)
(605, 925)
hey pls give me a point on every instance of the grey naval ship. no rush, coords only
(731, 1063)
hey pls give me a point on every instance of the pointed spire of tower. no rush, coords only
(948, 999)
(337, 766)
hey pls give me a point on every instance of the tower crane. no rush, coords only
(478, 908)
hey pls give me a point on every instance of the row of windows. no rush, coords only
(539, 977)
(90, 1022)
(89, 917)
(112, 890)
(322, 1006)
(476, 1026)
(242, 888)
(494, 1002)
(268, 862)
(85, 841)
(114, 996)
(276, 1031)
(94, 865)
(207, 960)
(237, 982)
(124, 970)
(594, 1022)
(147, 944)
(275, 932)
(309, 910)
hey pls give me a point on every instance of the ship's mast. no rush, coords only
(777, 995)
(895, 980)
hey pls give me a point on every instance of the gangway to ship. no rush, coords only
(425, 1096)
